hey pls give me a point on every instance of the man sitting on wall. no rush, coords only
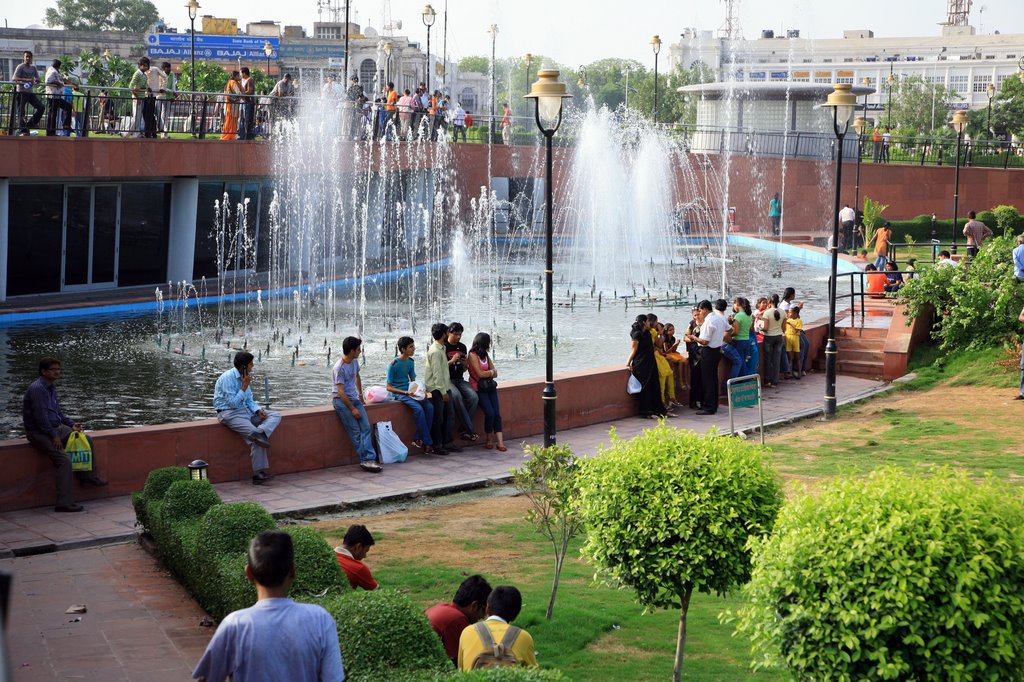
(468, 606)
(48, 429)
(237, 410)
(354, 548)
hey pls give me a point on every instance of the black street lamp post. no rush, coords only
(842, 103)
(493, 30)
(193, 12)
(547, 95)
(959, 124)
(268, 50)
(891, 80)
(429, 16)
(656, 48)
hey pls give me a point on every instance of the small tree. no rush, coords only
(892, 577)
(670, 512)
(549, 479)
(872, 214)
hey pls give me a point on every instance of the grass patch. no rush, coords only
(598, 632)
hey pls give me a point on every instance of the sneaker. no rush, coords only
(261, 477)
(419, 443)
(69, 508)
(452, 447)
(371, 467)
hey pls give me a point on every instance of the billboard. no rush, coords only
(292, 50)
(213, 48)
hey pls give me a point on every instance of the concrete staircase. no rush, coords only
(861, 351)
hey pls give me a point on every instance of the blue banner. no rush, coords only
(291, 50)
(214, 48)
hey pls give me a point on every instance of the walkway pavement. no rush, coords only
(41, 530)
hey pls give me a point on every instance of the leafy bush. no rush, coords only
(224, 587)
(670, 512)
(139, 505)
(1008, 220)
(383, 633)
(188, 499)
(977, 306)
(503, 674)
(893, 576)
(316, 568)
(229, 528)
(159, 480)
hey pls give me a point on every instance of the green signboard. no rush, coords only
(743, 394)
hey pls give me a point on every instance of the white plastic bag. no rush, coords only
(417, 392)
(392, 449)
(376, 394)
(633, 386)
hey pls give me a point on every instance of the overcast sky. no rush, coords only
(579, 31)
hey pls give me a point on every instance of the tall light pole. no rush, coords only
(891, 80)
(193, 11)
(268, 50)
(347, 74)
(444, 51)
(990, 91)
(429, 16)
(547, 94)
(493, 30)
(388, 49)
(842, 103)
(656, 48)
(858, 127)
(959, 124)
(528, 58)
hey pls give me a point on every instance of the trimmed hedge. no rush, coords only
(229, 528)
(159, 480)
(382, 633)
(317, 570)
(892, 576)
(999, 219)
(189, 499)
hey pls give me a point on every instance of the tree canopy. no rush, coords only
(920, 107)
(103, 15)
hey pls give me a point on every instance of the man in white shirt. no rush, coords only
(945, 261)
(847, 218)
(459, 122)
(55, 92)
(166, 91)
(712, 336)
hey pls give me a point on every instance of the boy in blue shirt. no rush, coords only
(401, 374)
(349, 406)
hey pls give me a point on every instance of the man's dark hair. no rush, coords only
(391, 85)
(46, 362)
(944, 253)
(870, 267)
(271, 557)
(505, 602)
(704, 305)
(56, 64)
(242, 359)
(245, 70)
(165, 65)
(27, 52)
(438, 330)
(721, 304)
(456, 328)
(144, 61)
(404, 342)
(475, 588)
(287, 76)
(972, 215)
(357, 534)
(350, 344)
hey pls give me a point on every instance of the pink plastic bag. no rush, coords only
(376, 394)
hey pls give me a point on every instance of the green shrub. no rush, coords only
(139, 505)
(1007, 220)
(159, 480)
(383, 633)
(229, 528)
(224, 587)
(893, 576)
(316, 568)
(189, 499)
(670, 512)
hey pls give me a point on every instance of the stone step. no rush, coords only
(860, 369)
(862, 332)
(861, 344)
(865, 355)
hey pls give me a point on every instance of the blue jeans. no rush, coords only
(742, 347)
(730, 353)
(805, 346)
(423, 413)
(464, 401)
(492, 412)
(880, 263)
(358, 429)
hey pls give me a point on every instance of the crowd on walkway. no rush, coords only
(281, 639)
(239, 112)
(742, 336)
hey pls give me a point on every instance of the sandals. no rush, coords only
(489, 446)
(502, 448)
(471, 437)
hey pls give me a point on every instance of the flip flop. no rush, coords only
(502, 448)
(489, 446)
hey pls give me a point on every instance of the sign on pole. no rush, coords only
(211, 47)
(745, 391)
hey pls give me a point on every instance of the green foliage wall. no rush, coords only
(892, 577)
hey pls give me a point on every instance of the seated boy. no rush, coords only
(354, 548)
(401, 374)
(468, 606)
(514, 645)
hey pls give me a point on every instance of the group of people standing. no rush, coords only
(772, 330)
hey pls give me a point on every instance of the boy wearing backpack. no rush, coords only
(495, 641)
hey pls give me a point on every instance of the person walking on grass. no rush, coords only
(349, 405)
(276, 638)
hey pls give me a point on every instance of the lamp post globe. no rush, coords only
(429, 16)
(547, 95)
(891, 80)
(841, 103)
(959, 125)
(268, 50)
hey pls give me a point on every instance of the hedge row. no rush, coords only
(383, 635)
(999, 219)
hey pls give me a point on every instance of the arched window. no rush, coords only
(468, 99)
(367, 74)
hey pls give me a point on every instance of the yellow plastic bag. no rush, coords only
(79, 451)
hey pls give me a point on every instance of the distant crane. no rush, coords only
(958, 13)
